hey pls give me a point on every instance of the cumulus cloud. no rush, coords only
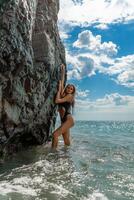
(64, 29)
(102, 26)
(63, 35)
(82, 94)
(86, 66)
(87, 40)
(94, 56)
(74, 74)
(81, 66)
(120, 70)
(114, 99)
(126, 78)
(93, 43)
(98, 56)
(110, 107)
(123, 69)
(106, 12)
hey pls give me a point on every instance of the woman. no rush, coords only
(65, 99)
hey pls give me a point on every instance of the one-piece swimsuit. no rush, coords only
(67, 108)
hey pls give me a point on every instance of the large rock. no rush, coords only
(30, 55)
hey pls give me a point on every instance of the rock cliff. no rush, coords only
(30, 55)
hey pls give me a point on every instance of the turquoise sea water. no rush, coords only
(99, 165)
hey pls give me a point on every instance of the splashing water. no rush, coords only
(99, 165)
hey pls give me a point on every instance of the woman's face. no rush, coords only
(70, 89)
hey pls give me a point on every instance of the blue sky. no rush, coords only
(98, 37)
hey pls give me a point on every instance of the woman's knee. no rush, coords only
(55, 135)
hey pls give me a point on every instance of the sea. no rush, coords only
(99, 165)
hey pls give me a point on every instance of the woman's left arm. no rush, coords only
(62, 78)
(67, 98)
(58, 95)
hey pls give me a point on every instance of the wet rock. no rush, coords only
(30, 56)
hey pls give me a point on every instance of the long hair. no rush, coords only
(73, 93)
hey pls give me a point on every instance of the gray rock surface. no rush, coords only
(30, 56)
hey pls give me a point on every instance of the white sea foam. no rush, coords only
(96, 195)
(9, 187)
(60, 190)
(17, 182)
(101, 160)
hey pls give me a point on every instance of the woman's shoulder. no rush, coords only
(70, 97)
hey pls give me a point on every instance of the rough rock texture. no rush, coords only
(30, 55)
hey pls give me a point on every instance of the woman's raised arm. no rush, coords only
(62, 78)
(67, 98)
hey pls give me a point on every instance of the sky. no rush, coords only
(98, 36)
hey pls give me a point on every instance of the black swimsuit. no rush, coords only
(67, 107)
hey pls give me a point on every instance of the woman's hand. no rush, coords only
(62, 66)
(62, 69)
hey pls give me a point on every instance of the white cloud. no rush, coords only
(111, 101)
(108, 48)
(126, 78)
(93, 43)
(74, 74)
(63, 35)
(122, 64)
(64, 29)
(114, 99)
(110, 107)
(102, 26)
(82, 94)
(72, 59)
(86, 66)
(123, 68)
(87, 40)
(89, 12)
(82, 66)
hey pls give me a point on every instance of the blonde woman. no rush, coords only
(65, 100)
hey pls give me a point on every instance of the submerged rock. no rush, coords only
(30, 56)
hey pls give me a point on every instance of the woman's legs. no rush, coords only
(66, 137)
(62, 130)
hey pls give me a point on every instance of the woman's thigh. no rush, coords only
(66, 134)
(66, 125)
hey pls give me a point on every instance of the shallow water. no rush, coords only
(99, 165)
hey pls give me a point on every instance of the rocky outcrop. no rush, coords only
(30, 55)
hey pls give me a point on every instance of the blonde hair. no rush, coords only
(73, 93)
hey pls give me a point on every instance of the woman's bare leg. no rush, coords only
(66, 137)
(61, 130)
